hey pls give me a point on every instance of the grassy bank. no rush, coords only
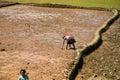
(86, 3)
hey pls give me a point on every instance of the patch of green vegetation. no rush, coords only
(86, 3)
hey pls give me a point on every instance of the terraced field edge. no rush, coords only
(90, 47)
(97, 41)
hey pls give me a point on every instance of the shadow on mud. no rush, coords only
(90, 49)
(86, 52)
(77, 68)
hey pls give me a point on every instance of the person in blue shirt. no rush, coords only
(23, 75)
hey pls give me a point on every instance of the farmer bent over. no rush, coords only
(70, 41)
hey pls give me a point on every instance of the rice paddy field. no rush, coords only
(31, 38)
(86, 3)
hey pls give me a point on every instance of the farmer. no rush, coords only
(69, 40)
(23, 75)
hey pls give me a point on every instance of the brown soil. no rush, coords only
(104, 63)
(30, 37)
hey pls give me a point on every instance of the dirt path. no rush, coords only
(31, 37)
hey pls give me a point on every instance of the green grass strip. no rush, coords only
(84, 3)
